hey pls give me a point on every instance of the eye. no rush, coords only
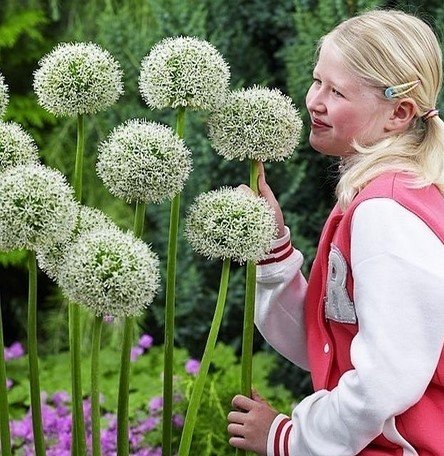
(337, 93)
(317, 81)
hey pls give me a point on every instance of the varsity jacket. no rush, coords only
(369, 325)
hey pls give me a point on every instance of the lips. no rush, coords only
(318, 123)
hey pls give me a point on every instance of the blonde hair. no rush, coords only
(387, 48)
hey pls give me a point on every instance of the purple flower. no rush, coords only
(192, 366)
(156, 403)
(108, 319)
(60, 398)
(177, 421)
(146, 341)
(9, 383)
(14, 351)
(136, 352)
(147, 425)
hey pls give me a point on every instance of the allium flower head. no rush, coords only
(78, 78)
(184, 72)
(16, 146)
(110, 272)
(143, 161)
(257, 123)
(37, 207)
(4, 96)
(229, 223)
(50, 257)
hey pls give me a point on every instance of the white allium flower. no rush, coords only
(37, 207)
(143, 161)
(78, 78)
(50, 257)
(4, 96)
(257, 123)
(17, 147)
(184, 72)
(229, 223)
(110, 272)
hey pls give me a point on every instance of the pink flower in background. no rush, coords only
(9, 383)
(178, 421)
(156, 403)
(136, 352)
(192, 366)
(14, 351)
(146, 341)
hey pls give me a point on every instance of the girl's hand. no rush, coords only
(266, 192)
(250, 423)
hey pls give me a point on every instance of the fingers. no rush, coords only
(236, 430)
(242, 402)
(239, 442)
(245, 188)
(236, 417)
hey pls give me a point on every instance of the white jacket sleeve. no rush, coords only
(398, 270)
(280, 295)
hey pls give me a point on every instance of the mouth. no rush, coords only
(318, 123)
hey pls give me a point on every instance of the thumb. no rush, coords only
(257, 397)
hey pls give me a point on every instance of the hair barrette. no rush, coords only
(400, 89)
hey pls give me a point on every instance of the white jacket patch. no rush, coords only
(338, 306)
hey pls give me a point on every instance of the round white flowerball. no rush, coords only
(49, 257)
(110, 273)
(37, 207)
(257, 123)
(229, 223)
(78, 78)
(17, 147)
(184, 72)
(4, 96)
(144, 161)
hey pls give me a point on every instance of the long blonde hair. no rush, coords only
(387, 48)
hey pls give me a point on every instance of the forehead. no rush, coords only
(331, 68)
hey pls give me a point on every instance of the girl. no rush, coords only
(369, 325)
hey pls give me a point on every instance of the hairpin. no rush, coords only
(393, 91)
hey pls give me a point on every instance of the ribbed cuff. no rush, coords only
(281, 249)
(278, 442)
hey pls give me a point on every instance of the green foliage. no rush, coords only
(210, 436)
(19, 24)
(265, 42)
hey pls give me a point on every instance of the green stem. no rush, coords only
(37, 427)
(78, 433)
(139, 219)
(122, 407)
(196, 395)
(78, 170)
(95, 392)
(5, 435)
(167, 428)
(248, 328)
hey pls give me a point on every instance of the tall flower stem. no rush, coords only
(125, 365)
(78, 435)
(196, 395)
(170, 309)
(248, 327)
(37, 427)
(122, 407)
(95, 392)
(5, 435)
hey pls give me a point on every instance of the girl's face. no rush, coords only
(342, 107)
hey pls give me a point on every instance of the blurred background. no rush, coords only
(265, 42)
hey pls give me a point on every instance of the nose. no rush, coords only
(315, 100)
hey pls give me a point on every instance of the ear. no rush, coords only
(401, 116)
